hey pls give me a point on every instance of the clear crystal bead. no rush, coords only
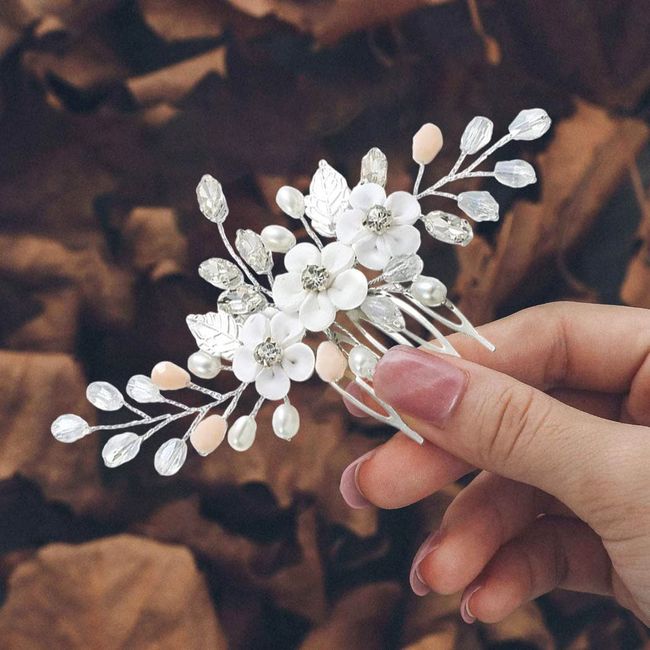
(530, 124)
(514, 173)
(268, 353)
(104, 396)
(212, 201)
(403, 268)
(121, 448)
(476, 135)
(448, 228)
(382, 312)
(479, 206)
(143, 390)
(69, 427)
(170, 456)
(314, 277)
(221, 273)
(374, 167)
(253, 251)
(242, 301)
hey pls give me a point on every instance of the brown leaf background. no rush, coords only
(110, 111)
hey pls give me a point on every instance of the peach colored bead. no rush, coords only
(330, 362)
(427, 142)
(168, 376)
(209, 434)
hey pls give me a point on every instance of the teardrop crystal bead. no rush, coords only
(374, 167)
(104, 396)
(253, 251)
(212, 201)
(515, 173)
(221, 273)
(448, 228)
(476, 135)
(69, 428)
(170, 456)
(382, 312)
(403, 268)
(530, 124)
(479, 206)
(121, 448)
(143, 390)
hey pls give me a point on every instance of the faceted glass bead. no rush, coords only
(514, 173)
(121, 448)
(480, 206)
(253, 251)
(170, 456)
(268, 353)
(374, 167)
(143, 390)
(403, 268)
(314, 277)
(242, 301)
(530, 124)
(383, 312)
(104, 396)
(378, 219)
(448, 228)
(476, 135)
(221, 273)
(212, 201)
(69, 428)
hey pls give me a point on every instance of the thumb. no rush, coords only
(497, 423)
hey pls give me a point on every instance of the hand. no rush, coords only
(557, 420)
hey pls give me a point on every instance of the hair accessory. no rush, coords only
(258, 331)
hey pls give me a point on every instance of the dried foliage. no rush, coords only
(110, 111)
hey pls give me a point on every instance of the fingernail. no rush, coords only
(355, 390)
(430, 544)
(465, 611)
(420, 384)
(349, 485)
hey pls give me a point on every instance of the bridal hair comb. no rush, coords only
(258, 330)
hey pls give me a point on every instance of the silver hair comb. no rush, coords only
(258, 331)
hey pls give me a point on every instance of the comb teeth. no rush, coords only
(257, 332)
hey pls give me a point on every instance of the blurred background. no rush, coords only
(110, 112)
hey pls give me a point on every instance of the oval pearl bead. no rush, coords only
(286, 421)
(168, 376)
(209, 434)
(330, 362)
(429, 291)
(291, 201)
(202, 365)
(241, 434)
(362, 361)
(278, 239)
(427, 142)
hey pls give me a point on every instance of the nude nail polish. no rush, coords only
(430, 544)
(349, 485)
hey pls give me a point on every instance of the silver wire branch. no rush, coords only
(236, 394)
(488, 152)
(418, 179)
(164, 423)
(457, 164)
(312, 234)
(135, 410)
(206, 391)
(432, 192)
(257, 407)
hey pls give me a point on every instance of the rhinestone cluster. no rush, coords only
(315, 278)
(268, 353)
(379, 219)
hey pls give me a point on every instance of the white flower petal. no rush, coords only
(349, 289)
(350, 225)
(372, 252)
(404, 207)
(286, 329)
(272, 383)
(298, 362)
(244, 365)
(317, 312)
(300, 256)
(402, 240)
(366, 195)
(288, 293)
(255, 330)
(337, 257)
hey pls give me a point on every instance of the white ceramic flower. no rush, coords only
(272, 355)
(319, 283)
(379, 228)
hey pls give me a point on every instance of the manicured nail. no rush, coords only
(430, 544)
(418, 383)
(355, 390)
(465, 611)
(349, 485)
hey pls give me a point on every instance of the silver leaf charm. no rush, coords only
(327, 200)
(382, 312)
(374, 167)
(212, 201)
(254, 251)
(216, 333)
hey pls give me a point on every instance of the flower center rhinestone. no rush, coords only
(314, 278)
(379, 219)
(268, 353)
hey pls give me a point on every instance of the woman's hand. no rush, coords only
(557, 420)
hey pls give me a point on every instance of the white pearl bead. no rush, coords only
(362, 361)
(241, 434)
(290, 201)
(278, 239)
(429, 291)
(202, 365)
(286, 421)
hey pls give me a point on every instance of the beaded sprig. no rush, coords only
(258, 330)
